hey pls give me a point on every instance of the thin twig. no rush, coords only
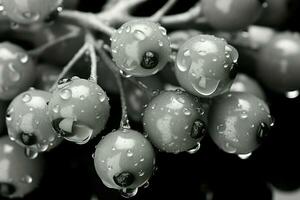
(41, 49)
(163, 10)
(91, 49)
(88, 20)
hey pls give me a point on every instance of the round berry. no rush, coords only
(17, 71)
(78, 109)
(244, 83)
(278, 63)
(124, 159)
(30, 11)
(18, 175)
(28, 122)
(140, 48)
(175, 121)
(206, 65)
(239, 122)
(231, 15)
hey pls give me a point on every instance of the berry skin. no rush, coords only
(278, 63)
(28, 123)
(78, 109)
(140, 48)
(17, 71)
(175, 122)
(244, 83)
(30, 11)
(239, 122)
(124, 159)
(231, 15)
(18, 175)
(206, 65)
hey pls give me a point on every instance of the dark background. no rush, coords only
(208, 174)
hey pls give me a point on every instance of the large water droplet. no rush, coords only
(27, 179)
(23, 58)
(244, 156)
(292, 94)
(65, 94)
(56, 108)
(195, 149)
(128, 193)
(26, 98)
(33, 16)
(184, 61)
(13, 73)
(31, 153)
(140, 35)
(129, 153)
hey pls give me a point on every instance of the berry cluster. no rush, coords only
(178, 88)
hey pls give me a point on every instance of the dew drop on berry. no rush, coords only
(13, 74)
(26, 98)
(43, 147)
(33, 16)
(128, 29)
(140, 35)
(230, 149)
(244, 156)
(163, 30)
(205, 86)
(129, 153)
(65, 94)
(128, 193)
(195, 149)
(27, 179)
(14, 25)
(141, 173)
(23, 58)
(184, 60)
(1, 8)
(31, 153)
(187, 112)
(160, 43)
(56, 108)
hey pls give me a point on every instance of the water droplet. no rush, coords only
(160, 43)
(141, 173)
(43, 147)
(56, 108)
(14, 74)
(184, 61)
(65, 94)
(205, 86)
(26, 98)
(128, 29)
(128, 193)
(146, 184)
(163, 30)
(14, 25)
(187, 112)
(142, 159)
(82, 97)
(23, 58)
(244, 115)
(102, 98)
(129, 153)
(140, 35)
(244, 156)
(229, 148)
(33, 16)
(31, 153)
(292, 94)
(27, 179)
(195, 149)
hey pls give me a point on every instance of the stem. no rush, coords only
(183, 18)
(124, 124)
(41, 49)
(163, 10)
(71, 63)
(91, 49)
(88, 20)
